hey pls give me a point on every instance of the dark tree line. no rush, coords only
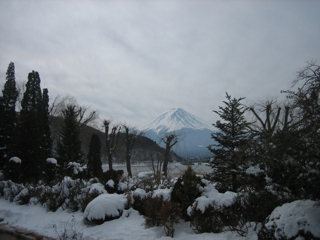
(25, 137)
(28, 143)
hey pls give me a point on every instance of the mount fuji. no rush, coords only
(194, 135)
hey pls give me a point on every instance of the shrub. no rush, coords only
(295, 220)
(114, 175)
(14, 169)
(152, 208)
(147, 181)
(186, 190)
(270, 234)
(168, 216)
(139, 203)
(105, 207)
(89, 196)
(208, 219)
(68, 194)
(254, 205)
(9, 189)
(51, 170)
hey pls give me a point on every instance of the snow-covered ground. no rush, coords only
(129, 226)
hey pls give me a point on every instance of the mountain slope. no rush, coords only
(194, 135)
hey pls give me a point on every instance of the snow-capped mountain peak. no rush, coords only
(173, 120)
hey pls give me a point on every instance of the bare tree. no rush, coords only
(130, 139)
(60, 103)
(156, 162)
(276, 118)
(169, 140)
(84, 114)
(272, 114)
(112, 139)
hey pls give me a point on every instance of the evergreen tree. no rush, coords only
(10, 92)
(8, 115)
(94, 160)
(47, 141)
(186, 190)
(69, 145)
(32, 97)
(30, 131)
(229, 161)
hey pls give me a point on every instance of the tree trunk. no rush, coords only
(166, 160)
(110, 161)
(128, 166)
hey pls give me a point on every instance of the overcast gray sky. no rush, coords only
(133, 60)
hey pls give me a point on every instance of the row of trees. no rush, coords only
(30, 136)
(281, 140)
(27, 136)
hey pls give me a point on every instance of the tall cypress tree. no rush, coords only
(231, 137)
(94, 159)
(69, 145)
(32, 97)
(47, 141)
(30, 131)
(8, 115)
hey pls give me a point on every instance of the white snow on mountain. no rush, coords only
(173, 120)
(194, 135)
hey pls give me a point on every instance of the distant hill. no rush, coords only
(142, 144)
(195, 135)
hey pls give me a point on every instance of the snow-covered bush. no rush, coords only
(139, 200)
(67, 194)
(146, 181)
(51, 170)
(207, 212)
(296, 220)
(92, 192)
(23, 194)
(186, 190)
(206, 218)
(14, 169)
(105, 207)
(71, 194)
(113, 175)
(76, 170)
(255, 205)
(23, 197)
(9, 190)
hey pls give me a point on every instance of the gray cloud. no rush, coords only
(132, 60)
